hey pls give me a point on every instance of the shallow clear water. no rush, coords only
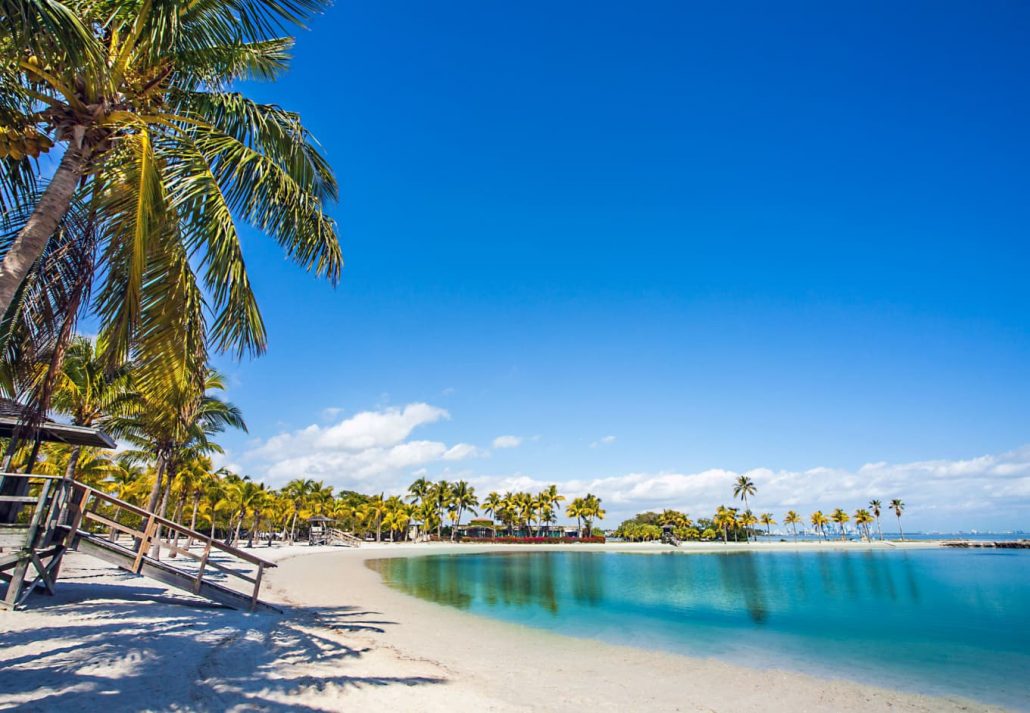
(933, 621)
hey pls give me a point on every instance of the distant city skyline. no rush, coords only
(642, 249)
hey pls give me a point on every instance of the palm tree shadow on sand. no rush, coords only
(127, 647)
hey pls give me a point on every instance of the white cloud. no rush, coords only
(331, 412)
(507, 441)
(461, 451)
(369, 444)
(603, 441)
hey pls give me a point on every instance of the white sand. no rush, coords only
(110, 641)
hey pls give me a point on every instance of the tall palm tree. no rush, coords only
(898, 506)
(766, 518)
(743, 488)
(841, 518)
(156, 146)
(792, 519)
(876, 506)
(463, 497)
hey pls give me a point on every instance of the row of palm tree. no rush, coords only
(529, 512)
(744, 487)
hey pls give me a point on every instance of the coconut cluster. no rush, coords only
(19, 143)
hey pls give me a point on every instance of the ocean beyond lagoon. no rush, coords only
(935, 621)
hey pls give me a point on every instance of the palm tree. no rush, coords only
(397, 516)
(819, 522)
(524, 507)
(547, 500)
(898, 506)
(575, 509)
(841, 518)
(591, 510)
(792, 519)
(212, 501)
(493, 504)
(90, 390)
(173, 429)
(766, 519)
(463, 497)
(743, 488)
(375, 510)
(297, 491)
(429, 515)
(440, 496)
(164, 160)
(747, 520)
(876, 506)
(419, 490)
(725, 519)
(862, 518)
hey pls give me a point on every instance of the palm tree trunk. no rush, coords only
(193, 518)
(177, 519)
(879, 532)
(239, 522)
(73, 461)
(256, 525)
(155, 489)
(901, 532)
(43, 222)
(155, 551)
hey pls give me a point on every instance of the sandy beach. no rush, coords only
(347, 642)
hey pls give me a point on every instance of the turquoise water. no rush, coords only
(932, 621)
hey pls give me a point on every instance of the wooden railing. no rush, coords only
(71, 506)
(40, 508)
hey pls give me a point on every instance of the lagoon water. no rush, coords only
(933, 621)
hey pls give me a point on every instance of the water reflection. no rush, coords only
(758, 585)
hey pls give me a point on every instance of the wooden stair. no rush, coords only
(66, 510)
(339, 537)
(165, 573)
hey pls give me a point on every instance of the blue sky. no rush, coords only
(726, 236)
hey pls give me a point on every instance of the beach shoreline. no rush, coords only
(347, 641)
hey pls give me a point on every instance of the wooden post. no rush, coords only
(38, 515)
(257, 586)
(144, 544)
(17, 581)
(200, 572)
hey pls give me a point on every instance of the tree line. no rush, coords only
(729, 522)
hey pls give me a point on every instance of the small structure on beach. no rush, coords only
(322, 532)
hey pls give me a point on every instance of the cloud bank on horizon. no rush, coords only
(375, 451)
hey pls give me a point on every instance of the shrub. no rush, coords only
(508, 540)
